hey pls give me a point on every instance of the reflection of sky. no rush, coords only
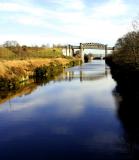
(65, 114)
(66, 93)
(68, 99)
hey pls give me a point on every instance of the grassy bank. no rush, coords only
(20, 63)
(24, 52)
(13, 72)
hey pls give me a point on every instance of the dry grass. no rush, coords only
(32, 52)
(6, 53)
(13, 68)
(44, 52)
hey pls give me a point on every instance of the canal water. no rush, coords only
(73, 117)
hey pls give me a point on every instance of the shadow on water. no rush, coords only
(126, 94)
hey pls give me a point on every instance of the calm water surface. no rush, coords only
(72, 117)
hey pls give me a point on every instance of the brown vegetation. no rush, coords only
(24, 52)
(19, 63)
(126, 54)
(17, 68)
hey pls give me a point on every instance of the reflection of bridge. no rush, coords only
(68, 50)
(82, 76)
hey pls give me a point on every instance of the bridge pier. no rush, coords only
(106, 50)
(72, 51)
(66, 51)
(81, 52)
(69, 49)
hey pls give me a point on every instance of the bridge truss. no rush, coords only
(70, 48)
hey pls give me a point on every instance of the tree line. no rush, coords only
(129, 43)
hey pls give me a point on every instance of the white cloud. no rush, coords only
(21, 8)
(38, 39)
(71, 21)
(70, 4)
(111, 8)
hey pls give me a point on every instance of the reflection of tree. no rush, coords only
(27, 87)
(23, 90)
(10, 105)
(128, 113)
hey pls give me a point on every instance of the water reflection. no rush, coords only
(82, 76)
(127, 94)
(82, 73)
(70, 117)
(26, 89)
(86, 73)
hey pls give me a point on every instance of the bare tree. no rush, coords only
(9, 44)
(128, 44)
(135, 23)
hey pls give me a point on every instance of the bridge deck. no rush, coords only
(99, 47)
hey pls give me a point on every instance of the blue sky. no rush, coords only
(39, 22)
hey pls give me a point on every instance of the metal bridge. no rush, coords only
(69, 50)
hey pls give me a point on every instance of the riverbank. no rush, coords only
(124, 62)
(124, 67)
(125, 71)
(13, 72)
